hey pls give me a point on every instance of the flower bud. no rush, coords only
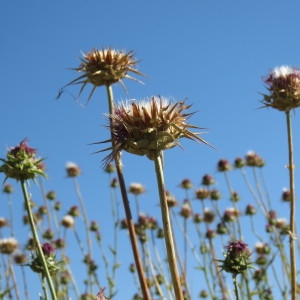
(8, 245)
(72, 169)
(224, 165)
(207, 180)
(21, 163)
(239, 163)
(8, 189)
(136, 189)
(186, 184)
(51, 195)
(284, 88)
(236, 258)
(68, 221)
(202, 193)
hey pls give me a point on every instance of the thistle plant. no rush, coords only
(22, 164)
(104, 68)
(148, 128)
(236, 261)
(284, 95)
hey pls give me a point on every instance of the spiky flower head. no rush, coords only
(36, 264)
(236, 258)
(21, 163)
(284, 88)
(150, 126)
(105, 67)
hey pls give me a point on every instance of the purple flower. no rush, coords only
(48, 249)
(237, 247)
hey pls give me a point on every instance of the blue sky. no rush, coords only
(214, 53)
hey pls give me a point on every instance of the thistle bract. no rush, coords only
(21, 163)
(149, 127)
(284, 88)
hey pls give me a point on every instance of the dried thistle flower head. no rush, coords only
(105, 67)
(21, 163)
(284, 88)
(148, 127)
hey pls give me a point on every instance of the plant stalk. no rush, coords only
(130, 223)
(291, 168)
(36, 239)
(167, 228)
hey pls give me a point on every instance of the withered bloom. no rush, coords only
(149, 127)
(284, 88)
(105, 67)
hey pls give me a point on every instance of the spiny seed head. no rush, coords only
(21, 163)
(150, 126)
(284, 88)
(105, 67)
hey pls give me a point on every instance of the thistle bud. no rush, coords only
(254, 160)
(68, 221)
(286, 195)
(21, 163)
(186, 184)
(136, 189)
(51, 195)
(224, 165)
(202, 193)
(8, 189)
(72, 169)
(236, 258)
(210, 234)
(239, 163)
(8, 245)
(207, 180)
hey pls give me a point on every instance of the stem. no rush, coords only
(36, 239)
(130, 223)
(167, 228)
(292, 207)
(235, 287)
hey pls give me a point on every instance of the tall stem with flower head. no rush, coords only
(36, 239)
(127, 209)
(167, 227)
(292, 207)
(284, 95)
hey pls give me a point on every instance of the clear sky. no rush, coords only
(214, 53)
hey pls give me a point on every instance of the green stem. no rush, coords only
(36, 239)
(130, 223)
(167, 228)
(236, 292)
(292, 207)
